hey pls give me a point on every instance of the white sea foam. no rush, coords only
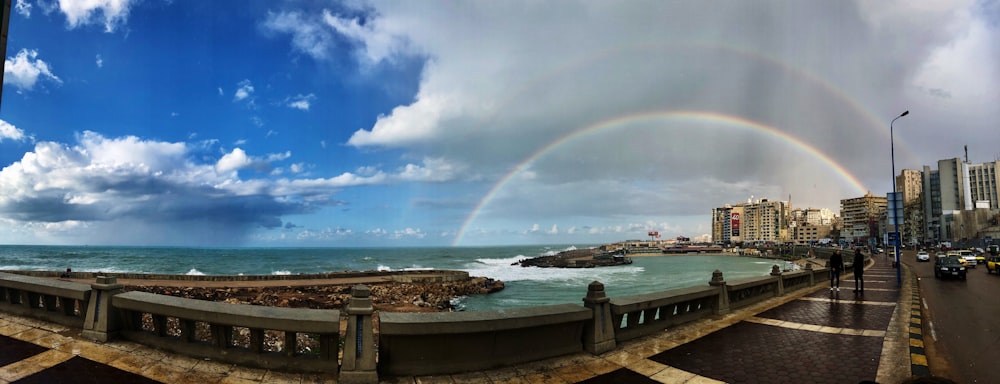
(502, 269)
(281, 273)
(195, 272)
(383, 268)
(555, 252)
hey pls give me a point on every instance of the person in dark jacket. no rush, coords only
(836, 267)
(859, 270)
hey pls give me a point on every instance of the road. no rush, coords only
(961, 322)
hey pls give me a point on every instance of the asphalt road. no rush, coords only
(961, 322)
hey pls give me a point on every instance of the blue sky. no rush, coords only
(316, 123)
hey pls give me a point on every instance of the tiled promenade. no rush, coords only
(813, 336)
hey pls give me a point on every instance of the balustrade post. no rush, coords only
(718, 281)
(776, 272)
(359, 344)
(599, 331)
(101, 324)
(812, 277)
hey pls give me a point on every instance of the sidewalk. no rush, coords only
(813, 336)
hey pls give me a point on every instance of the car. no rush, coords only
(949, 266)
(980, 257)
(923, 256)
(992, 264)
(970, 258)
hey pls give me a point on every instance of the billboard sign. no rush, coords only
(735, 224)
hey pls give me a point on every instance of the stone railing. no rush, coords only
(407, 343)
(234, 333)
(445, 342)
(60, 302)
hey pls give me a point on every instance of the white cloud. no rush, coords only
(23, 7)
(112, 13)
(25, 70)
(10, 132)
(233, 161)
(119, 185)
(433, 170)
(301, 102)
(379, 43)
(308, 36)
(244, 90)
(99, 61)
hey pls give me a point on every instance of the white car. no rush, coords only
(923, 256)
(970, 258)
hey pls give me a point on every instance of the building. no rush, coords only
(957, 186)
(860, 216)
(809, 234)
(753, 222)
(813, 216)
(909, 182)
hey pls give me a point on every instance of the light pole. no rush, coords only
(895, 243)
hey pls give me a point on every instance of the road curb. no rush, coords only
(918, 357)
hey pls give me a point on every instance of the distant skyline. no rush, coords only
(371, 123)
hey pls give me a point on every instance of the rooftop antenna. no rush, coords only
(966, 154)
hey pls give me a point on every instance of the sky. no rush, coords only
(475, 123)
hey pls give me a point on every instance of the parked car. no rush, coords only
(949, 266)
(992, 263)
(923, 256)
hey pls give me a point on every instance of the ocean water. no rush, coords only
(529, 286)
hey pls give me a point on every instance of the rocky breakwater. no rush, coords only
(576, 258)
(389, 296)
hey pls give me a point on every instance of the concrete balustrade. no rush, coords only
(645, 314)
(448, 342)
(406, 344)
(60, 302)
(220, 320)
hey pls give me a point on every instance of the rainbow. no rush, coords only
(699, 116)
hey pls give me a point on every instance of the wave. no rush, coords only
(554, 252)
(506, 261)
(573, 276)
(195, 272)
(281, 273)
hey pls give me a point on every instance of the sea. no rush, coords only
(525, 286)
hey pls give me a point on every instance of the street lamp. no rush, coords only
(895, 244)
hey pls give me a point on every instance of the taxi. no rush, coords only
(992, 263)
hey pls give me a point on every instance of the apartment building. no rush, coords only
(860, 217)
(954, 187)
(760, 221)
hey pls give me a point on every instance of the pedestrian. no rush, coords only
(836, 267)
(859, 270)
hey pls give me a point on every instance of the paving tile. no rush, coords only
(470, 377)
(441, 379)
(80, 370)
(621, 375)
(15, 350)
(647, 367)
(832, 314)
(673, 375)
(756, 353)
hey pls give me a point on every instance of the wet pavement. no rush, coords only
(809, 336)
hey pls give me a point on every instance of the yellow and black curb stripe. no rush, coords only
(918, 358)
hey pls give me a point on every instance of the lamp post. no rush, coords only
(895, 244)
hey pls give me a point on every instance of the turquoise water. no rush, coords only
(524, 286)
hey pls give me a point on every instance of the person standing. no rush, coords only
(836, 267)
(859, 270)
